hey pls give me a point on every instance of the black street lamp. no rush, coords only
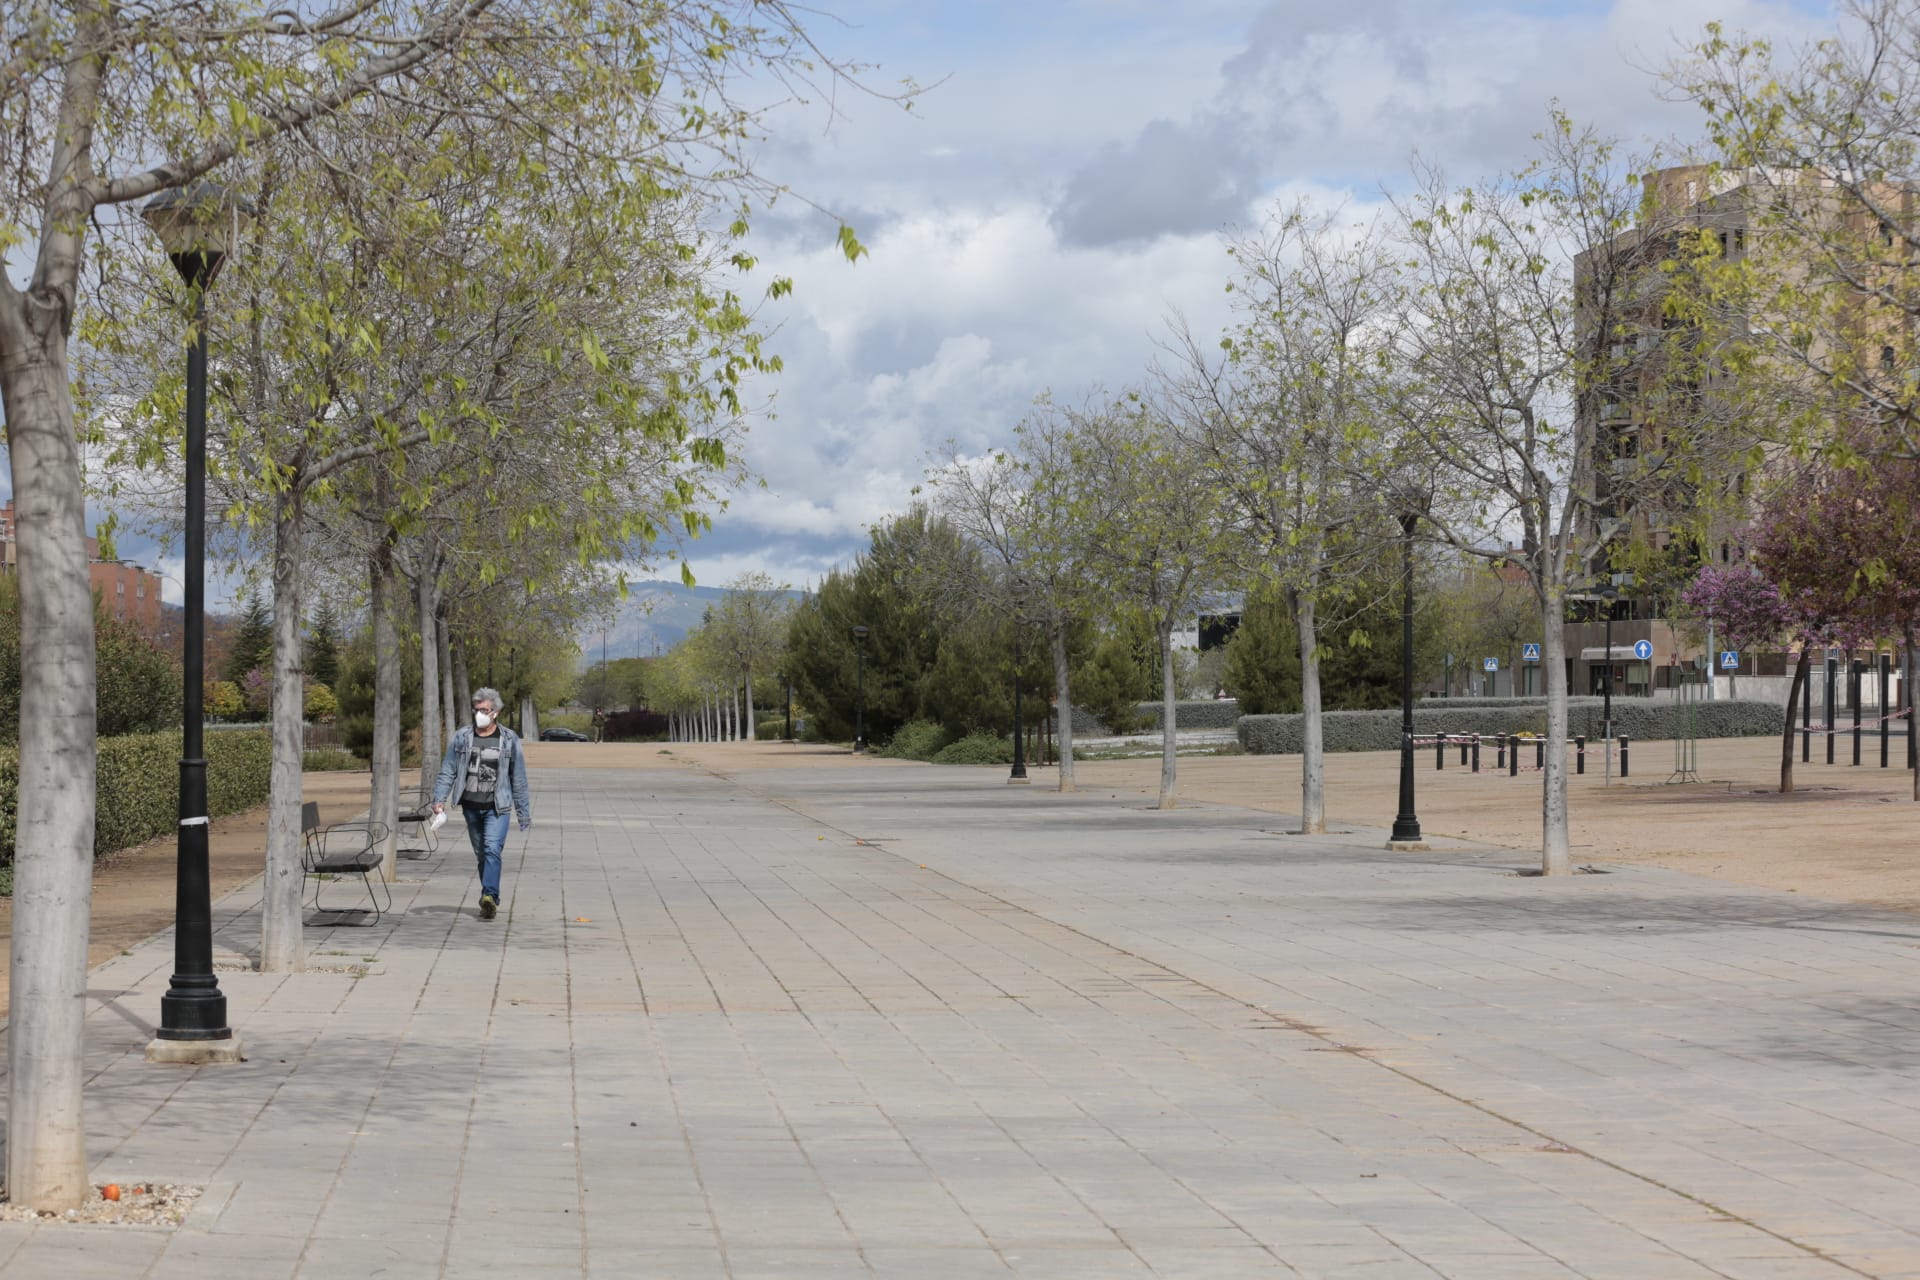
(1406, 824)
(860, 688)
(197, 227)
(1017, 589)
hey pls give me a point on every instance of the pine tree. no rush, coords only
(253, 642)
(323, 645)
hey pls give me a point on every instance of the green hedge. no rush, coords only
(140, 775)
(1639, 718)
(1530, 700)
(1188, 713)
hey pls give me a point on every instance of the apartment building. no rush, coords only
(126, 589)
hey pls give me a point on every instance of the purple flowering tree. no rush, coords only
(1747, 610)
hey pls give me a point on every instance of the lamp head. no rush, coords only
(860, 633)
(197, 225)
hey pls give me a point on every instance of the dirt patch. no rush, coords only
(1847, 833)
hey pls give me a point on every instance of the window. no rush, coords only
(1725, 558)
(140, 591)
(120, 588)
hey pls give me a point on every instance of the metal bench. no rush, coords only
(416, 811)
(343, 849)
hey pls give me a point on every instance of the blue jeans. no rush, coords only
(488, 832)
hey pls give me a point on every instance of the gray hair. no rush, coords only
(492, 696)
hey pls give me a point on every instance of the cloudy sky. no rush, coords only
(1063, 189)
(1062, 186)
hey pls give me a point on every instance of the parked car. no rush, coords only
(558, 734)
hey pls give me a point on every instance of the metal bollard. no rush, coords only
(1540, 753)
(1476, 753)
(1580, 753)
(1853, 695)
(1439, 751)
(1513, 756)
(1463, 748)
(1499, 751)
(1623, 755)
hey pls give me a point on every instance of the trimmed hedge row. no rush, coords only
(140, 776)
(1530, 700)
(1638, 718)
(1188, 713)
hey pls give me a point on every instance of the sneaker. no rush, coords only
(488, 906)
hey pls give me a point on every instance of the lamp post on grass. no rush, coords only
(197, 226)
(1406, 823)
(860, 689)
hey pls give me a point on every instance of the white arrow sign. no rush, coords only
(1643, 649)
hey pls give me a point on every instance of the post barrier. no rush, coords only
(1539, 753)
(1831, 664)
(1886, 717)
(1463, 750)
(1623, 754)
(1513, 755)
(1806, 719)
(1440, 751)
(1476, 753)
(1853, 696)
(1579, 753)
(1499, 752)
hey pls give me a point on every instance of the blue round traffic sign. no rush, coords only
(1643, 649)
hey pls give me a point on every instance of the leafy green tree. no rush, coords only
(885, 592)
(1263, 657)
(1118, 674)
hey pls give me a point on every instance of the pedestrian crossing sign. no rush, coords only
(1529, 653)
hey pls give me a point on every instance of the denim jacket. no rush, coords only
(510, 792)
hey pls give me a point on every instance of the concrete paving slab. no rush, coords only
(909, 1022)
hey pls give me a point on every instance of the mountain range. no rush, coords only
(653, 618)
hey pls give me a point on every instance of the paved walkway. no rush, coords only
(910, 1022)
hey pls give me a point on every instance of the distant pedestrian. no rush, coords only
(487, 770)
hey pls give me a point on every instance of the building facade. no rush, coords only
(127, 590)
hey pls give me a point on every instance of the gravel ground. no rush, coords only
(156, 1204)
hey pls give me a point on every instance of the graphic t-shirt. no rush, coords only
(483, 771)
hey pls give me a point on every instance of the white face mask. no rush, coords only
(482, 719)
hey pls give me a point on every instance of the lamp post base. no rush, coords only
(1408, 846)
(195, 1053)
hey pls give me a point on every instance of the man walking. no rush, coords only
(485, 767)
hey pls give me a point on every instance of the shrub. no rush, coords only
(976, 748)
(632, 726)
(320, 702)
(1635, 717)
(333, 760)
(223, 700)
(140, 776)
(770, 728)
(918, 740)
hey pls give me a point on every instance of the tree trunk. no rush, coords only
(753, 724)
(529, 720)
(427, 598)
(1063, 698)
(282, 934)
(733, 707)
(1168, 727)
(462, 682)
(1795, 691)
(1556, 841)
(53, 842)
(385, 804)
(449, 712)
(1313, 755)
